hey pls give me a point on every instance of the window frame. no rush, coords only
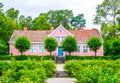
(85, 49)
(33, 49)
(41, 50)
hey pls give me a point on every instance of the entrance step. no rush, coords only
(61, 74)
(60, 60)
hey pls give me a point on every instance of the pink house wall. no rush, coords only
(57, 32)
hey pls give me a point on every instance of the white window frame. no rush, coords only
(85, 49)
(41, 50)
(57, 38)
(33, 49)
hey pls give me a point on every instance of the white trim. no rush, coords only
(60, 26)
(11, 36)
(102, 50)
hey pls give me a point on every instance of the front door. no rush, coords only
(60, 51)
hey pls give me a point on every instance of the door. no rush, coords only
(60, 51)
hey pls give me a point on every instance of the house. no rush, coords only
(37, 41)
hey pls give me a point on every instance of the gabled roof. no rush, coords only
(39, 35)
(62, 28)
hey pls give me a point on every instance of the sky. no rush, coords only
(35, 7)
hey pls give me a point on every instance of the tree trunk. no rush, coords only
(50, 53)
(95, 53)
(21, 53)
(70, 53)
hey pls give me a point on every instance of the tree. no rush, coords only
(107, 14)
(22, 43)
(40, 23)
(12, 13)
(78, 21)
(116, 47)
(25, 21)
(3, 47)
(69, 44)
(1, 7)
(94, 44)
(50, 44)
(57, 17)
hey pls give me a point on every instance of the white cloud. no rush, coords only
(35, 7)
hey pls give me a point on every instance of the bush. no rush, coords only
(68, 57)
(26, 71)
(27, 57)
(94, 71)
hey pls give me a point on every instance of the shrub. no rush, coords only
(94, 71)
(26, 71)
(68, 57)
(32, 57)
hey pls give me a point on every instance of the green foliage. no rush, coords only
(40, 23)
(78, 21)
(107, 15)
(108, 8)
(3, 47)
(69, 44)
(75, 57)
(31, 57)
(94, 44)
(12, 13)
(50, 44)
(22, 43)
(26, 71)
(1, 7)
(94, 71)
(57, 17)
(112, 47)
(7, 26)
(25, 21)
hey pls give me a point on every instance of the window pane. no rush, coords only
(33, 49)
(41, 49)
(85, 49)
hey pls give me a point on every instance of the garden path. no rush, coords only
(61, 77)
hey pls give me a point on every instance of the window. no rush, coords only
(33, 49)
(78, 49)
(60, 31)
(41, 49)
(63, 38)
(57, 38)
(85, 49)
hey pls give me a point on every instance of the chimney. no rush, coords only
(25, 28)
(82, 27)
(52, 28)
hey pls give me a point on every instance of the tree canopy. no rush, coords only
(41, 23)
(69, 44)
(22, 43)
(107, 15)
(50, 44)
(94, 44)
(78, 21)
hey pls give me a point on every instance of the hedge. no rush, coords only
(94, 71)
(27, 71)
(68, 57)
(26, 57)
